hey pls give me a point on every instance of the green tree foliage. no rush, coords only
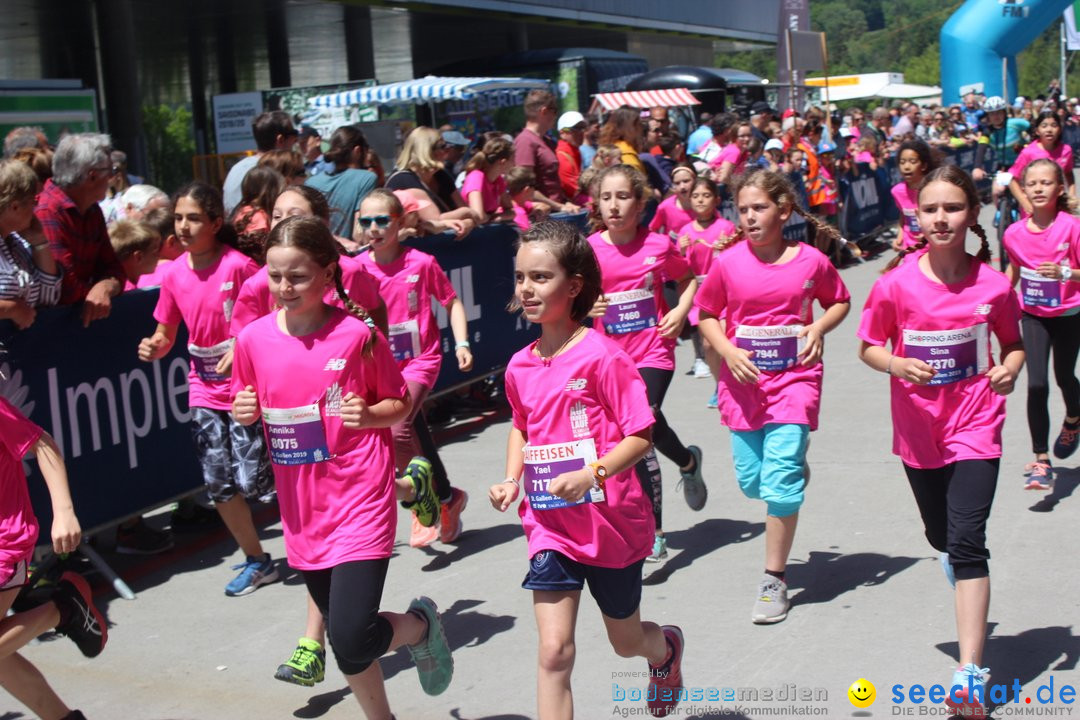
(170, 145)
(865, 36)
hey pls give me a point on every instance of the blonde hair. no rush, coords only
(1066, 203)
(606, 152)
(416, 152)
(130, 236)
(17, 182)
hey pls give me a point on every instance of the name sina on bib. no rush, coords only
(954, 355)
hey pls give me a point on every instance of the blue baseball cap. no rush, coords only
(825, 147)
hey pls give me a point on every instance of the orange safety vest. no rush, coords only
(816, 190)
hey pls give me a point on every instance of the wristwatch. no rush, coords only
(599, 473)
(1066, 272)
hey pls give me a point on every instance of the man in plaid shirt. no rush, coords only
(75, 226)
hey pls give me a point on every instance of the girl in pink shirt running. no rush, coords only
(408, 280)
(1043, 250)
(200, 290)
(756, 310)
(71, 609)
(948, 396)
(327, 420)
(1049, 143)
(914, 161)
(633, 313)
(675, 211)
(702, 241)
(581, 420)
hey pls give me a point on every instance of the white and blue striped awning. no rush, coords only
(424, 90)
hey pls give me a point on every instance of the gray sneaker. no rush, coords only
(693, 485)
(772, 603)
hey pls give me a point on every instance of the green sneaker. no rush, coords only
(307, 665)
(426, 504)
(432, 655)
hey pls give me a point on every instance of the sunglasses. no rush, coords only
(109, 169)
(380, 221)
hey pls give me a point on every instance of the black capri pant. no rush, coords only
(348, 596)
(954, 502)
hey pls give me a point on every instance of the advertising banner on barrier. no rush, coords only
(122, 424)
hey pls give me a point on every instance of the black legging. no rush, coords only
(348, 597)
(1041, 335)
(664, 439)
(954, 502)
(431, 452)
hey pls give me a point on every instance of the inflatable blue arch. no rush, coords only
(980, 41)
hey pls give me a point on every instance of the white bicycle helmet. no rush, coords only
(993, 103)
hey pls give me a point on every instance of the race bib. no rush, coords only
(543, 463)
(405, 340)
(630, 311)
(775, 347)
(1038, 291)
(206, 360)
(911, 221)
(297, 435)
(954, 354)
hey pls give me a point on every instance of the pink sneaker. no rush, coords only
(665, 681)
(451, 515)
(421, 536)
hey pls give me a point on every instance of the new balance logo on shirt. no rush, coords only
(982, 309)
(226, 286)
(413, 278)
(335, 364)
(651, 260)
(576, 384)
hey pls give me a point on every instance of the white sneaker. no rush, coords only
(701, 369)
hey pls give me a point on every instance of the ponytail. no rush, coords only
(984, 246)
(907, 251)
(824, 233)
(356, 311)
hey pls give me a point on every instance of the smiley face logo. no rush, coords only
(862, 693)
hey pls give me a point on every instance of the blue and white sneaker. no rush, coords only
(971, 694)
(253, 573)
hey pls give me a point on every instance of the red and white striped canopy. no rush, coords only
(647, 98)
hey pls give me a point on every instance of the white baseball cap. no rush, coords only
(569, 120)
(774, 144)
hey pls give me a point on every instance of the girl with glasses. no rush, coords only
(408, 280)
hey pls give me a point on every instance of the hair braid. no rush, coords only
(825, 234)
(355, 310)
(907, 251)
(984, 246)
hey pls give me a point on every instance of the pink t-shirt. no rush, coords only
(256, 300)
(18, 526)
(1027, 249)
(490, 192)
(634, 275)
(864, 157)
(765, 305)
(670, 216)
(731, 153)
(407, 286)
(521, 215)
(907, 200)
(573, 411)
(701, 252)
(1062, 155)
(335, 486)
(934, 425)
(204, 301)
(154, 279)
